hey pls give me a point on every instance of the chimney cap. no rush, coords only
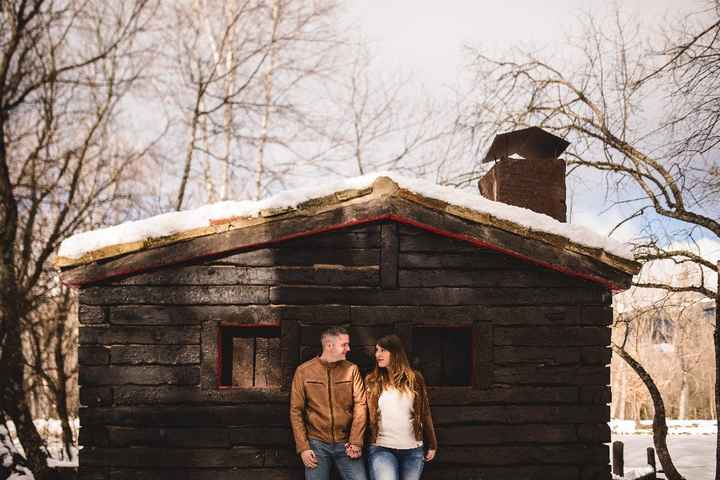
(528, 142)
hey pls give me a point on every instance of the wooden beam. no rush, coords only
(389, 256)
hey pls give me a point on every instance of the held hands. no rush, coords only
(309, 459)
(353, 451)
(430, 455)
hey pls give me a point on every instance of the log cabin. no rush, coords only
(189, 337)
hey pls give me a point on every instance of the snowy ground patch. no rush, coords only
(51, 431)
(675, 427)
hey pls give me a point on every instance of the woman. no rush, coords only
(400, 425)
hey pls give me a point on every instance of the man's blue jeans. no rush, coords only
(395, 464)
(329, 453)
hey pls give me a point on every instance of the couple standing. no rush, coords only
(329, 406)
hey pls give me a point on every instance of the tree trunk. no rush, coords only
(683, 406)
(659, 422)
(716, 337)
(13, 402)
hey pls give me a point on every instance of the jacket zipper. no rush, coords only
(332, 415)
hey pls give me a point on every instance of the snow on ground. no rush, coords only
(633, 474)
(675, 427)
(175, 222)
(51, 431)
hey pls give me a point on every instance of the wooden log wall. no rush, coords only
(148, 357)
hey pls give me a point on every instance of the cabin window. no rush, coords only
(444, 355)
(250, 357)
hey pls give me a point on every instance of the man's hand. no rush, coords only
(353, 451)
(430, 455)
(309, 459)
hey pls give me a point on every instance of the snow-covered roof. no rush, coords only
(174, 226)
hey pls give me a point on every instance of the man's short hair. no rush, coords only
(333, 332)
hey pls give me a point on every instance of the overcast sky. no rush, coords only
(427, 36)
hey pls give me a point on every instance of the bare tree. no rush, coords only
(374, 121)
(660, 169)
(64, 69)
(248, 73)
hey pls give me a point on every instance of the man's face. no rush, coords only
(338, 347)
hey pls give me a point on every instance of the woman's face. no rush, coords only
(382, 356)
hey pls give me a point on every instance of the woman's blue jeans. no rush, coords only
(395, 464)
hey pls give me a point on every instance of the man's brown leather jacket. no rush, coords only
(327, 403)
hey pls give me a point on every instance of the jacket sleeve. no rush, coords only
(359, 422)
(297, 409)
(429, 437)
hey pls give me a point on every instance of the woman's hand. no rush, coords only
(430, 455)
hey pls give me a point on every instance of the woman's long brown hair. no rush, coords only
(399, 373)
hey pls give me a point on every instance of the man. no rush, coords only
(328, 411)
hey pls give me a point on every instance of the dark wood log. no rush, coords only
(234, 275)
(282, 457)
(423, 241)
(594, 433)
(550, 336)
(573, 454)
(389, 255)
(597, 315)
(504, 394)
(139, 375)
(155, 354)
(596, 355)
(168, 335)
(224, 243)
(478, 259)
(227, 314)
(290, 351)
(94, 436)
(268, 373)
(128, 395)
(595, 472)
(189, 416)
(169, 457)
(535, 472)
(535, 251)
(209, 366)
(91, 473)
(440, 315)
(487, 278)
(266, 436)
(618, 459)
(207, 474)
(433, 296)
(595, 394)
(297, 257)
(242, 358)
(518, 414)
(541, 355)
(503, 434)
(95, 396)
(169, 437)
(93, 355)
(556, 316)
(552, 375)
(177, 295)
(91, 315)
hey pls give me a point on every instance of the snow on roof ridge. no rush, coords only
(171, 223)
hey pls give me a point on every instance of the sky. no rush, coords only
(427, 39)
(427, 36)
